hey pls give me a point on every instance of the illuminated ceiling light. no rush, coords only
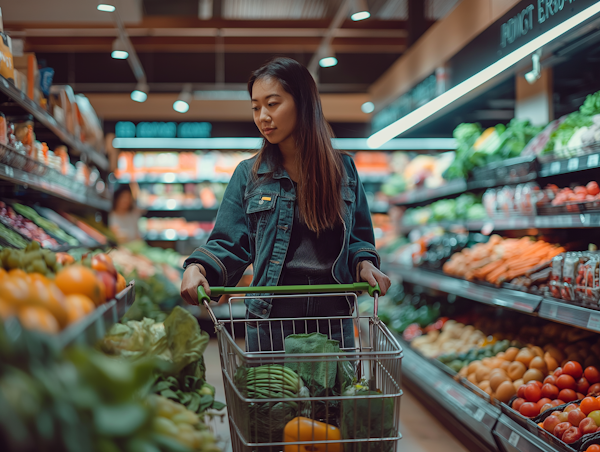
(106, 7)
(367, 107)
(328, 58)
(536, 70)
(182, 104)
(443, 100)
(140, 93)
(119, 50)
(359, 10)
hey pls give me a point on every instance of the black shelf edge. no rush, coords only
(419, 195)
(46, 185)
(50, 123)
(575, 315)
(571, 165)
(505, 298)
(581, 220)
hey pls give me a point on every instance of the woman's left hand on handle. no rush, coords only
(374, 276)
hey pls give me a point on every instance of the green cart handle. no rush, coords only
(285, 290)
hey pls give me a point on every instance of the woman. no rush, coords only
(296, 211)
(125, 216)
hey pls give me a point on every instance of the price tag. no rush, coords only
(555, 168)
(573, 164)
(553, 311)
(594, 322)
(514, 439)
(593, 160)
(487, 228)
(479, 415)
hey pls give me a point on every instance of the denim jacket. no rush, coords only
(254, 225)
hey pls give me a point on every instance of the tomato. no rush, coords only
(517, 404)
(573, 368)
(550, 379)
(580, 396)
(568, 395)
(589, 404)
(538, 383)
(566, 382)
(582, 385)
(592, 188)
(521, 391)
(550, 391)
(543, 401)
(595, 388)
(529, 409)
(557, 402)
(558, 372)
(532, 392)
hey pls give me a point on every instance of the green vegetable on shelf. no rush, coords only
(45, 224)
(12, 238)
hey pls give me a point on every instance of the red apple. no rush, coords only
(550, 379)
(551, 422)
(545, 406)
(102, 262)
(570, 407)
(561, 428)
(587, 426)
(576, 416)
(563, 416)
(571, 435)
(598, 429)
(110, 284)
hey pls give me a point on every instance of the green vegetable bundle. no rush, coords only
(192, 392)
(265, 421)
(367, 418)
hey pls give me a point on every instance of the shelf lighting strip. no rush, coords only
(253, 144)
(378, 139)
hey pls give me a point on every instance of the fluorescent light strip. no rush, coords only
(252, 144)
(410, 120)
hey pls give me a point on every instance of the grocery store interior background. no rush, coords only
(475, 129)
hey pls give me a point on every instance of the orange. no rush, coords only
(78, 306)
(38, 277)
(3, 273)
(593, 448)
(47, 295)
(589, 404)
(103, 263)
(15, 291)
(6, 309)
(77, 279)
(17, 273)
(121, 283)
(38, 318)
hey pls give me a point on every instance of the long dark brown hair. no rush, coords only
(321, 168)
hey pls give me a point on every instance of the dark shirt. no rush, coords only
(311, 255)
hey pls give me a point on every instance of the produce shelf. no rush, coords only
(511, 299)
(50, 123)
(172, 236)
(92, 328)
(453, 187)
(478, 416)
(53, 183)
(582, 220)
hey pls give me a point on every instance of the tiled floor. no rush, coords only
(421, 431)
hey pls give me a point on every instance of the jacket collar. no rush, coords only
(266, 166)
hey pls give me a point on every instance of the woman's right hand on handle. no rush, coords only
(193, 277)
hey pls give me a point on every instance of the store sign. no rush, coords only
(431, 87)
(527, 20)
(126, 129)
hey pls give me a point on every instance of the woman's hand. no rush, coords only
(372, 275)
(193, 277)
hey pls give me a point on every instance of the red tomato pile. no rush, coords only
(580, 193)
(565, 385)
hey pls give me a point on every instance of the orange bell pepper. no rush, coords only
(301, 429)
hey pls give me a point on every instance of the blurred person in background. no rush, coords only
(124, 218)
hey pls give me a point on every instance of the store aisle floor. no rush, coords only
(421, 431)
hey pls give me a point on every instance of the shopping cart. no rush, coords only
(365, 412)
